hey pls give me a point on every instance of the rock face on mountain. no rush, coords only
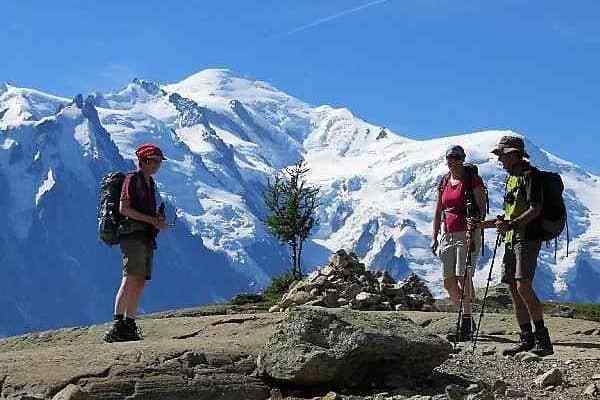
(224, 136)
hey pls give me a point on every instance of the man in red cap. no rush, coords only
(137, 235)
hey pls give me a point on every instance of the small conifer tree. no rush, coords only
(292, 205)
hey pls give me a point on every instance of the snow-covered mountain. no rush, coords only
(224, 135)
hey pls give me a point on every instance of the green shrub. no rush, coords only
(588, 311)
(247, 298)
(279, 286)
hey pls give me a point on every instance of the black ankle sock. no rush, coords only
(119, 317)
(129, 320)
(526, 327)
(539, 325)
(467, 322)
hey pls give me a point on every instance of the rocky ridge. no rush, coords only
(211, 352)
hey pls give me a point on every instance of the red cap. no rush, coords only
(149, 150)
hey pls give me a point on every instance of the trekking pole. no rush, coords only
(487, 286)
(172, 224)
(468, 265)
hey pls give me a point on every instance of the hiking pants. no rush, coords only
(453, 252)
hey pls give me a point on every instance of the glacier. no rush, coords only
(224, 135)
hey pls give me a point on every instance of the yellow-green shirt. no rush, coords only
(522, 191)
(515, 188)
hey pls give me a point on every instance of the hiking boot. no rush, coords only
(117, 332)
(465, 333)
(132, 331)
(526, 343)
(543, 345)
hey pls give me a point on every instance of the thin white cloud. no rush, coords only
(332, 17)
(117, 73)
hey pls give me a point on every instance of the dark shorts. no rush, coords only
(520, 260)
(137, 257)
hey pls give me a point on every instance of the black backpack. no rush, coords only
(109, 216)
(553, 217)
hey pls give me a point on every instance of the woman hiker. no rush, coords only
(460, 189)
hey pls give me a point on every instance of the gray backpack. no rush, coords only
(109, 217)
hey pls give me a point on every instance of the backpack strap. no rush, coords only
(530, 173)
(443, 183)
(471, 174)
(139, 176)
(568, 236)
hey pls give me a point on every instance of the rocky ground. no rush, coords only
(211, 352)
(577, 358)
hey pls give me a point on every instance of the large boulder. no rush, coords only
(340, 347)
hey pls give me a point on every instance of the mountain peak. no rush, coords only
(18, 105)
(214, 83)
(151, 87)
(211, 75)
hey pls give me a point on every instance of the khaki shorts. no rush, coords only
(453, 253)
(520, 260)
(137, 257)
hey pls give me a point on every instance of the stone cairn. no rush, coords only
(346, 283)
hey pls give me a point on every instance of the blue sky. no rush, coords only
(425, 68)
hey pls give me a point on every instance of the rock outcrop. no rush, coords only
(212, 352)
(345, 348)
(185, 355)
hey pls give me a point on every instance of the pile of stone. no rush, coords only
(345, 282)
(562, 311)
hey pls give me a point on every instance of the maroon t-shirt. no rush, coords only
(453, 204)
(140, 195)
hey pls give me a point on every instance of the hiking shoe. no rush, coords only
(116, 333)
(526, 343)
(132, 331)
(543, 345)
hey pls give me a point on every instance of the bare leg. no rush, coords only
(533, 304)
(122, 294)
(468, 294)
(137, 288)
(451, 286)
(521, 311)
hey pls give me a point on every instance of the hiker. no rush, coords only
(462, 185)
(520, 226)
(137, 240)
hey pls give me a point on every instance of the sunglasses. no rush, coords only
(453, 158)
